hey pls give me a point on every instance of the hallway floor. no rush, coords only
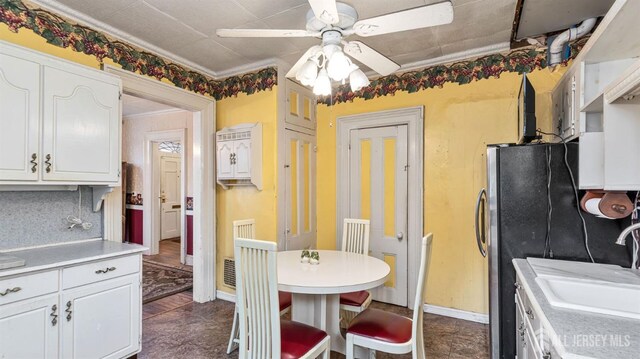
(177, 327)
(169, 255)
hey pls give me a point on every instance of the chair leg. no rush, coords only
(372, 354)
(235, 335)
(350, 346)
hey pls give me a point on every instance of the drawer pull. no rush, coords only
(529, 314)
(10, 290)
(107, 270)
(68, 311)
(53, 315)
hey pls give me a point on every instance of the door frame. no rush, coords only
(204, 185)
(413, 117)
(151, 212)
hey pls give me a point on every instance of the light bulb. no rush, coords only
(338, 66)
(322, 86)
(358, 80)
(308, 73)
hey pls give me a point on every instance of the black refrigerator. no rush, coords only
(512, 221)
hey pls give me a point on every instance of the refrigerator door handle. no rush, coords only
(480, 232)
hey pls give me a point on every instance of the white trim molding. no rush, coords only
(226, 296)
(457, 313)
(413, 117)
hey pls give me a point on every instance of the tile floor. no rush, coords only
(176, 327)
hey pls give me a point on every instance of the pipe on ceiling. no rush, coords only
(555, 50)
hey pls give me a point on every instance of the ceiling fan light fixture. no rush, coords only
(308, 73)
(358, 80)
(338, 66)
(322, 86)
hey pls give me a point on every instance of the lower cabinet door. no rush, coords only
(30, 328)
(102, 320)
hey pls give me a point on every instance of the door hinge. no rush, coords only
(119, 95)
(118, 173)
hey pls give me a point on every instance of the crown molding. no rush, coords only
(457, 56)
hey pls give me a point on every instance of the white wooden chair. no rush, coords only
(392, 333)
(263, 335)
(355, 239)
(246, 228)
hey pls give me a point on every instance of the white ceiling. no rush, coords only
(187, 28)
(132, 105)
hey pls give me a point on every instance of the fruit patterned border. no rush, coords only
(61, 32)
(464, 72)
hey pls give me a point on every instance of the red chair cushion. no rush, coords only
(380, 325)
(297, 339)
(355, 299)
(285, 300)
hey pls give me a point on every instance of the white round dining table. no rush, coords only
(316, 288)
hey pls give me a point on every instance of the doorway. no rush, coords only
(378, 192)
(380, 176)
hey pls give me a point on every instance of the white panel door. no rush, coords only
(30, 328)
(81, 119)
(300, 191)
(19, 118)
(242, 158)
(102, 320)
(170, 196)
(378, 190)
(224, 159)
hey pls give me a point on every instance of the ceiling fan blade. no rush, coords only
(266, 33)
(325, 10)
(370, 57)
(312, 51)
(417, 18)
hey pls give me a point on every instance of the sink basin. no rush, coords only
(592, 296)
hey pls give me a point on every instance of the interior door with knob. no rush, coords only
(170, 197)
(378, 190)
(300, 188)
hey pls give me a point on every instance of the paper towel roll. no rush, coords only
(593, 207)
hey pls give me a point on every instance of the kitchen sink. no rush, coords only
(592, 296)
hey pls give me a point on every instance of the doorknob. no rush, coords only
(400, 236)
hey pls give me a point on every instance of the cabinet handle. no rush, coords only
(517, 285)
(530, 314)
(53, 315)
(68, 311)
(10, 290)
(546, 355)
(231, 158)
(47, 161)
(106, 270)
(34, 163)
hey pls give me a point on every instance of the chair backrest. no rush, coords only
(418, 330)
(355, 235)
(244, 228)
(257, 298)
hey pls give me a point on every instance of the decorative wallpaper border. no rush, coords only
(61, 32)
(464, 72)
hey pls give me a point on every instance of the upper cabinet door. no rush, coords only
(81, 126)
(301, 106)
(242, 158)
(225, 159)
(19, 118)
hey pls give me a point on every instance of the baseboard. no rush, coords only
(226, 296)
(188, 260)
(457, 313)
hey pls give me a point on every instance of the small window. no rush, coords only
(170, 147)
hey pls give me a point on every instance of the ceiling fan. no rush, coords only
(333, 21)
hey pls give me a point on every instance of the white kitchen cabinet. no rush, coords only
(301, 107)
(81, 122)
(93, 312)
(20, 118)
(102, 320)
(60, 123)
(29, 328)
(239, 156)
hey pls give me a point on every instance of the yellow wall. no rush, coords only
(236, 203)
(460, 120)
(248, 202)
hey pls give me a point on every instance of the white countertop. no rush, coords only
(43, 258)
(338, 272)
(581, 334)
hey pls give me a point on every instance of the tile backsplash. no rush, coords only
(39, 217)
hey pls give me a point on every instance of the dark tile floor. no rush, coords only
(194, 330)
